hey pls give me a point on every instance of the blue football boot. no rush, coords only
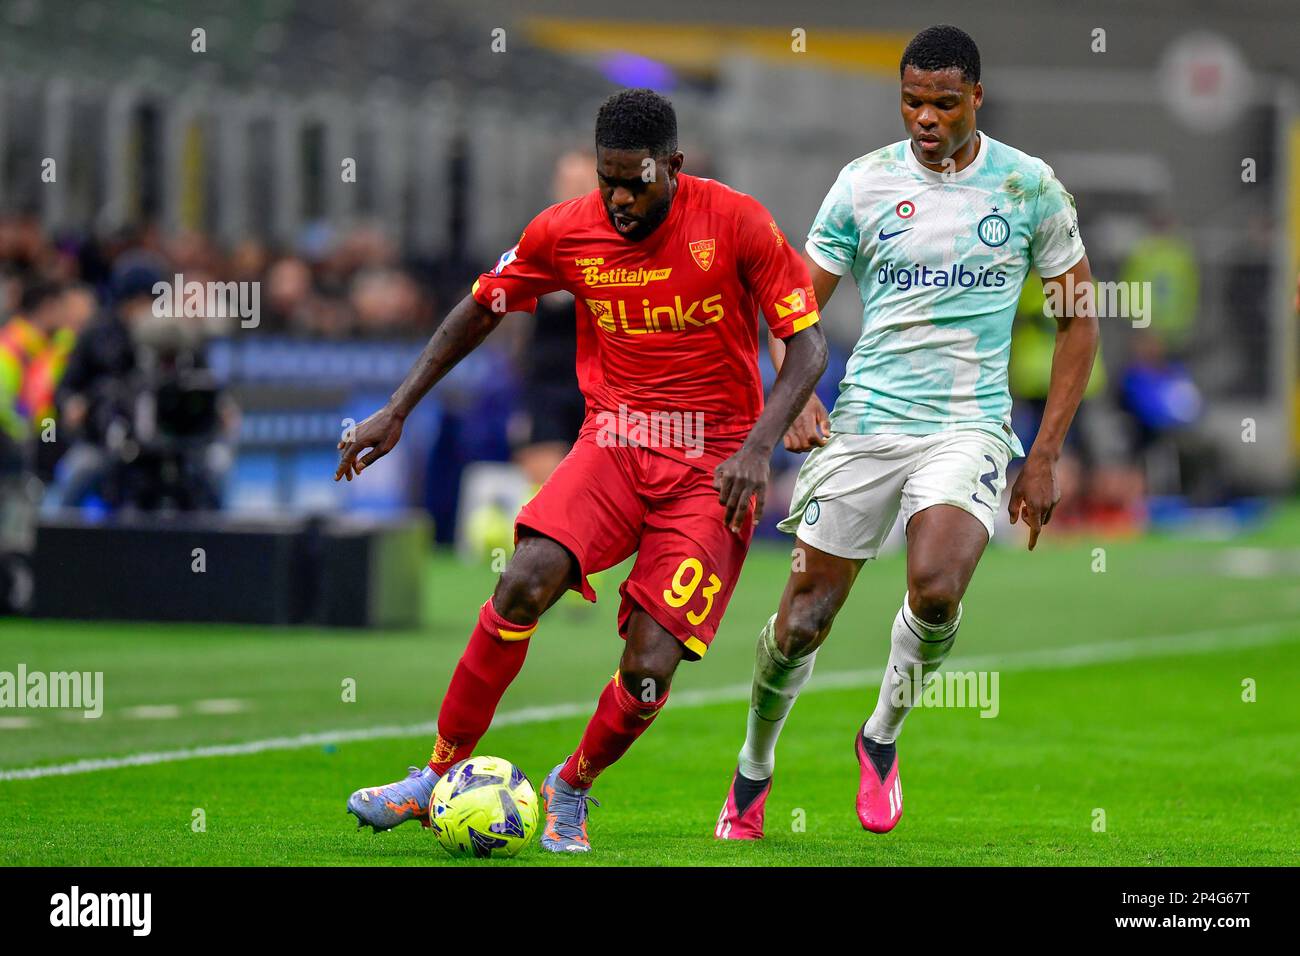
(566, 815)
(382, 808)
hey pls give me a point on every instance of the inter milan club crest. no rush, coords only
(993, 230)
(812, 512)
(702, 250)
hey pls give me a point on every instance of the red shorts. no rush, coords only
(606, 503)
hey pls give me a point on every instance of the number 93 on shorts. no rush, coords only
(684, 575)
(606, 504)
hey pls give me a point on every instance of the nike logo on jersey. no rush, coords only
(890, 235)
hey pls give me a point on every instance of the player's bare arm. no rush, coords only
(464, 328)
(745, 474)
(1035, 492)
(812, 426)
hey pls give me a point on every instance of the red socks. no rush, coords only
(620, 719)
(493, 658)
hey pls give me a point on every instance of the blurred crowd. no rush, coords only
(1137, 434)
(74, 308)
(104, 401)
(352, 284)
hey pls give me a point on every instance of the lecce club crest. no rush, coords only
(702, 251)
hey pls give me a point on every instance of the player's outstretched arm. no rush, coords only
(1035, 493)
(465, 326)
(812, 426)
(745, 474)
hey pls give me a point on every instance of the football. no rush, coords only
(484, 806)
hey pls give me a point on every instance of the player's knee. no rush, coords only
(647, 674)
(934, 595)
(807, 623)
(539, 571)
(650, 658)
(523, 593)
(519, 597)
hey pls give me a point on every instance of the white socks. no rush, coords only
(777, 682)
(913, 644)
(778, 679)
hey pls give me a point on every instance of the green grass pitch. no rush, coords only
(1120, 691)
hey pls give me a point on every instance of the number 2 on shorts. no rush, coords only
(683, 590)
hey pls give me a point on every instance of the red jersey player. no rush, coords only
(669, 273)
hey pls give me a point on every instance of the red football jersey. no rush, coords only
(668, 331)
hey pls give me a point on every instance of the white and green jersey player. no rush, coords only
(939, 259)
(939, 232)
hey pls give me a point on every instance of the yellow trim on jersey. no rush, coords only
(812, 318)
(474, 288)
(508, 635)
(696, 646)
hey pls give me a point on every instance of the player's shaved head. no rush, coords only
(943, 47)
(638, 119)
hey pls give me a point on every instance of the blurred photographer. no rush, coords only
(153, 430)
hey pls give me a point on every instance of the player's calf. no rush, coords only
(777, 680)
(620, 718)
(535, 578)
(916, 650)
(625, 710)
(811, 600)
(783, 663)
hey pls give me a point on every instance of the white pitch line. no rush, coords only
(1080, 655)
(221, 705)
(152, 712)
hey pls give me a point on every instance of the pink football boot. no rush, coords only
(880, 802)
(735, 825)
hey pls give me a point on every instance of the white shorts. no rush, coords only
(850, 490)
